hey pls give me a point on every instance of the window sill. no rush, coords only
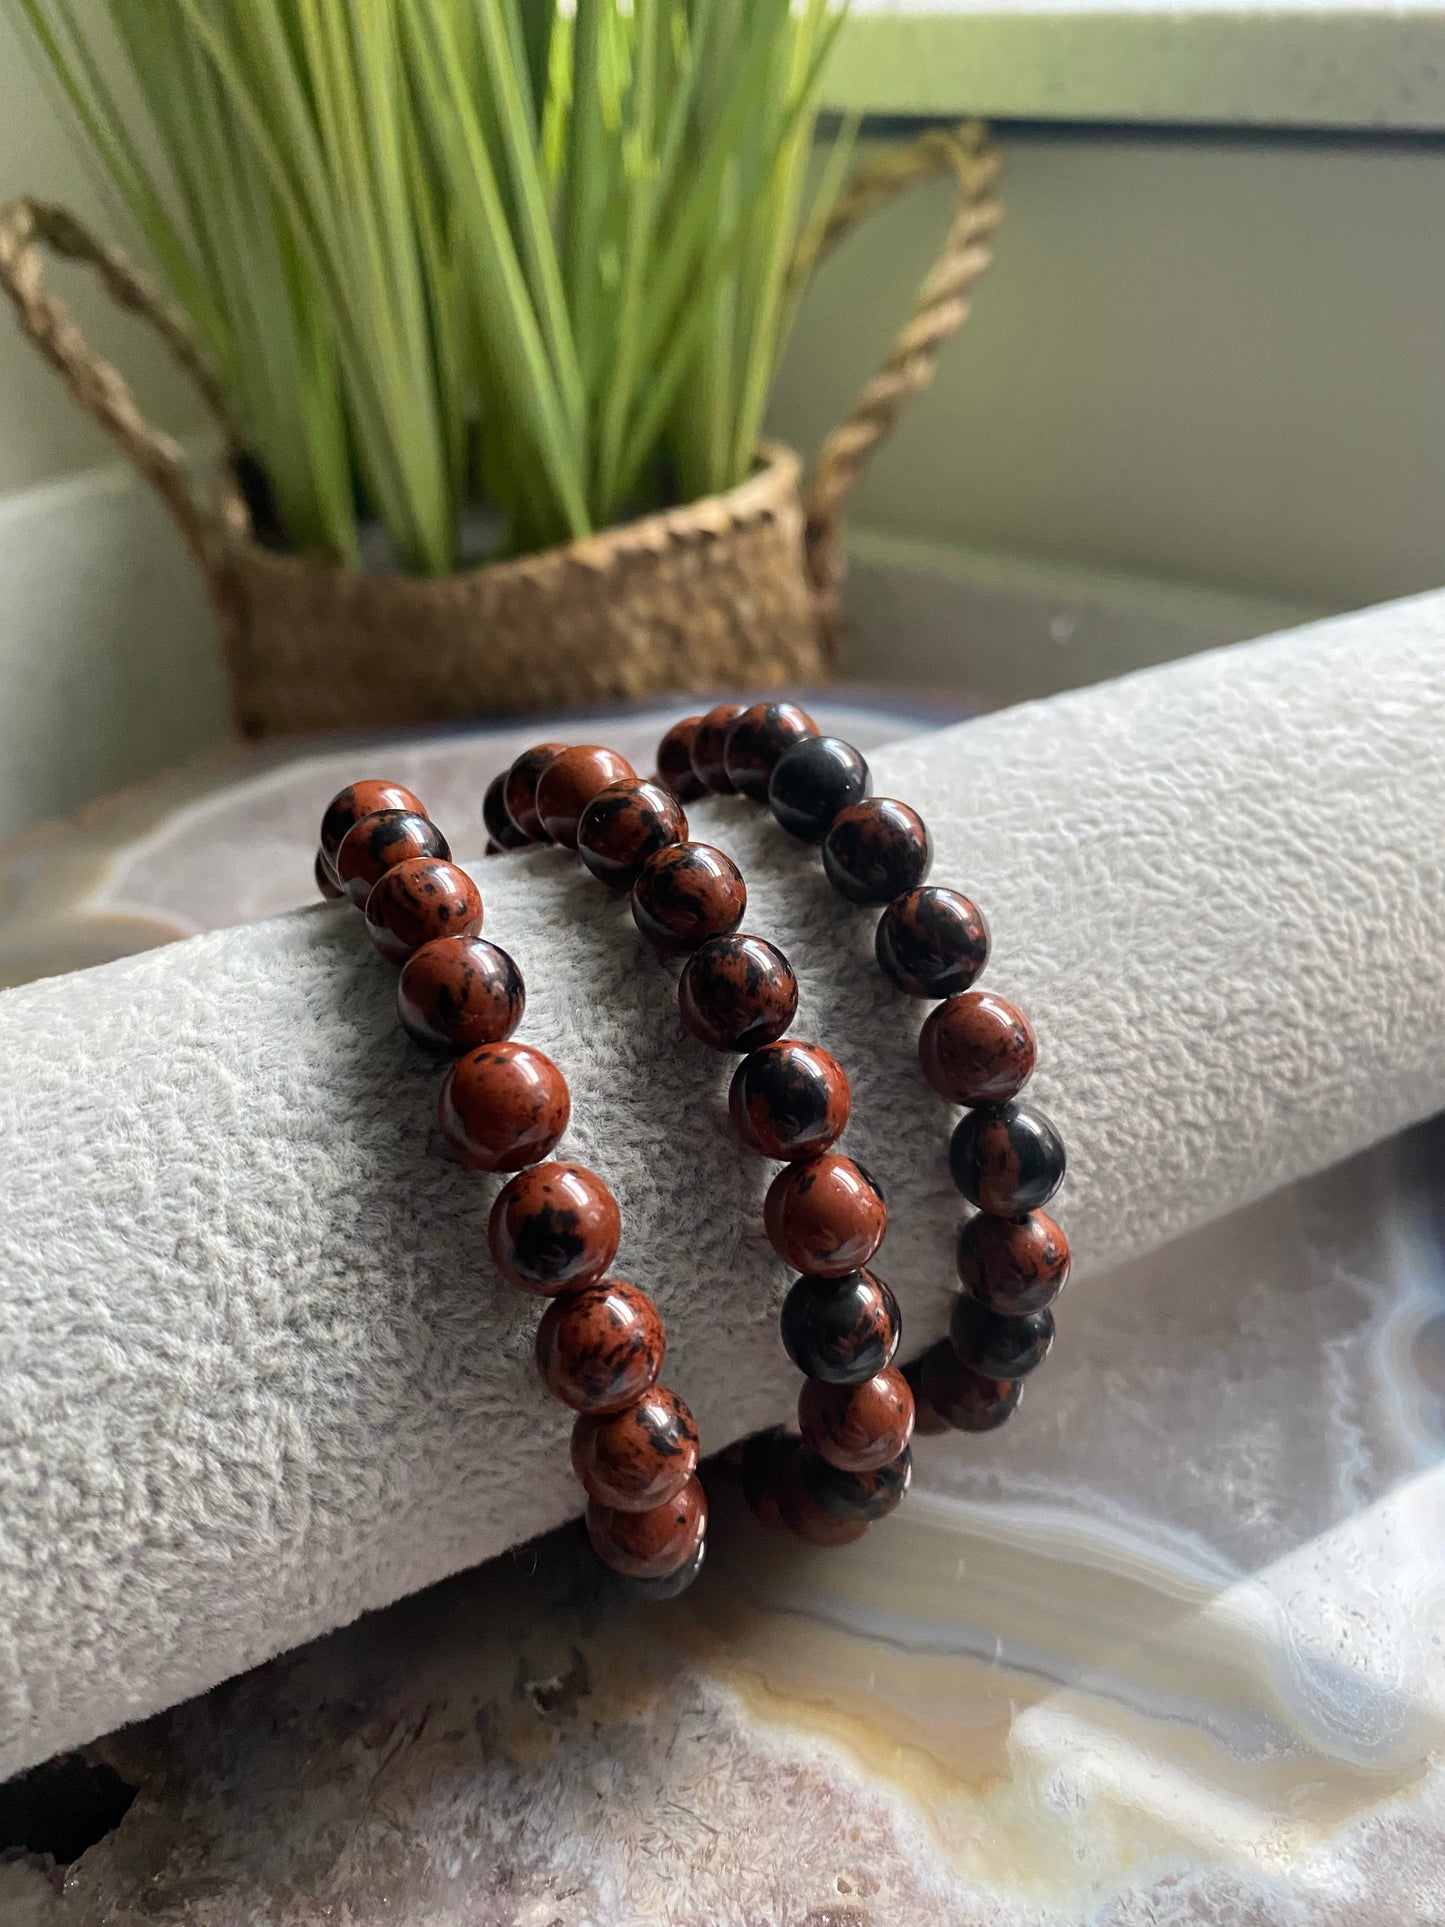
(1345, 68)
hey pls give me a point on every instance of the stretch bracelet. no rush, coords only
(789, 1101)
(975, 1049)
(554, 1228)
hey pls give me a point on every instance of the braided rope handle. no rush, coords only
(940, 308)
(27, 225)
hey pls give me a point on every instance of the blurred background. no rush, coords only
(1198, 397)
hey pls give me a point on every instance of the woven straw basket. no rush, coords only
(739, 589)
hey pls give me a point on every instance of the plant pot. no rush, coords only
(738, 589)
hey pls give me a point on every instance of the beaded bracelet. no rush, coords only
(975, 1049)
(554, 1228)
(789, 1101)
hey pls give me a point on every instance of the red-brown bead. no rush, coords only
(600, 1347)
(503, 1106)
(639, 1457)
(686, 894)
(755, 741)
(977, 1049)
(825, 1215)
(857, 1427)
(789, 1100)
(502, 832)
(1013, 1265)
(418, 901)
(554, 1227)
(348, 806)
(709, 746)
(736, 993)
(804, 1517)
(378, 843)
(519, 790)
(459, 992)
(624, 825)
(674, 760)
(963, 1398)
(651, 1544)
(569, 783)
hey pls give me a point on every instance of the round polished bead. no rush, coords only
(962, 1397)
(569, 783)
(624, 825)
(348, 806)
(926, 1422)
(736, 993)
(674, 761)
(378, 843)
(639, 1457)
(1007, 1159)
(855, 1496)
(789, 1099)
(600, 1347)
(419, 901)
(877, 849)
(813, 781)
(519, 790)
(931, 942)
(501, 830)
(1013, 1265)
(459, 992)
(325, 878)
(765, 1460)
(651, 1544)
(801, 1513)
(652, 1592)
(757, 739)
(857, 1427)
(999, 1347)
(554, 1227)
(824, 1215)
(977, 1049)
(841, 1330)
(685, 895)
(709, 745)
(503, 1106)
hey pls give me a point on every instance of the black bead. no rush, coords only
(651, 1592)
(854, 1496)
(999, 1346)
(876, 850)
(932, 942)
(500, 827)
(1007, 1159)
(812, 781)
(841, 1330)
(758, 739)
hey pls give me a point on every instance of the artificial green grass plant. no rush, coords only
(441, 252)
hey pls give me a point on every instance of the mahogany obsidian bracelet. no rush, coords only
(554, 1228)
(789, 1101)
(975, 1049)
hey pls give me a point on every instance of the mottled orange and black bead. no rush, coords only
(457, 993)
(639, 1457)
(1013, 1265)
(348, 806)
(624, 825)
(553, 1228)
(960, 1396)
(378, 843)
(709, 746)
(418, 901)
(737, 992)
(841, 1330)
(856, 1497)
(501, 830)
(569, 783)
(519, 790)
(651, 1544)
(600, 1347)
(825, 1215)
(876, 850)
(674, 760)
(686, 894)
(857, 1427)
(931, 942)
(789, 1099)
(503, 1106)
(756, 739)
(1007, 1159)
(977, 1049)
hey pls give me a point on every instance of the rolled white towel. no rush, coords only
(257, 1373)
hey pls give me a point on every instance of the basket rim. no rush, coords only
(774, 487)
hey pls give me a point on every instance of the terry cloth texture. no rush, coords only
(257, 1374)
